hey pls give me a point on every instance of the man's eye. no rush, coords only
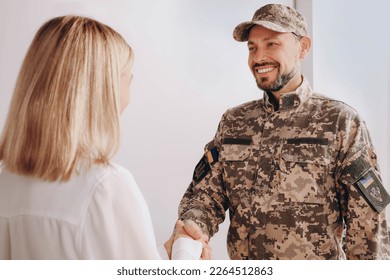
(271, 44)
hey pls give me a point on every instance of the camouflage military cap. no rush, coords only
(276, 17)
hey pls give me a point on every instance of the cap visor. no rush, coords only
(241, 32)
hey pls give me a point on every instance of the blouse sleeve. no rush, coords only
(117, 224)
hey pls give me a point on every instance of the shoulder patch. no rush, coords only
(212, 156)
(201, 169)
(371, 188)
(204, 165)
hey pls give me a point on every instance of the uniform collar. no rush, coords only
(291, 99)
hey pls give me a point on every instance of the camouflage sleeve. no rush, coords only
(205, 200)
(363, 196)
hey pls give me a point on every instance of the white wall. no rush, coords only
(351, 62)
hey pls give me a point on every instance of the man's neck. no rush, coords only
(291, 86)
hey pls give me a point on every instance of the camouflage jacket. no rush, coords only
(300, 183)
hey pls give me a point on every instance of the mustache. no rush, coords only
(265, 64)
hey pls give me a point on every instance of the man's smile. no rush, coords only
(265, 70)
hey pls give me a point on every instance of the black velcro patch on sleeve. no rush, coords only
(373, 191)
(355, 170)
(201, 169)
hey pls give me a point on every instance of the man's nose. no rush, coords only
(260, 56)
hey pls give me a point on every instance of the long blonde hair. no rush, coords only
(64, 113)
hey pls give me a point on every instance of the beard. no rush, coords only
(279, 83)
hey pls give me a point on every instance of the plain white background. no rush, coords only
(188, 70)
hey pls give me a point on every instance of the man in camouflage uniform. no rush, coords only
(296, 170)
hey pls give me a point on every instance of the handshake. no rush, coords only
(188, 230)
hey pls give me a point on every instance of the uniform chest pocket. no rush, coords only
(235, 152)
(236, 159)
(303, 172)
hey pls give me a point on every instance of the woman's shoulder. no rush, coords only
(110, 173)
(114, 181)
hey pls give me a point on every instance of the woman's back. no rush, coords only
(100, 214)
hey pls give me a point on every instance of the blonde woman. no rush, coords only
(60, 196)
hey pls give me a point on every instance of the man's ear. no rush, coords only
(305, 46)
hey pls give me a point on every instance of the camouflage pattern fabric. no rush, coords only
(288, 179)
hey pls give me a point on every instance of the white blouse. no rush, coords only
(97, 215)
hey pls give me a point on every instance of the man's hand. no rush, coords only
(189, 229)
